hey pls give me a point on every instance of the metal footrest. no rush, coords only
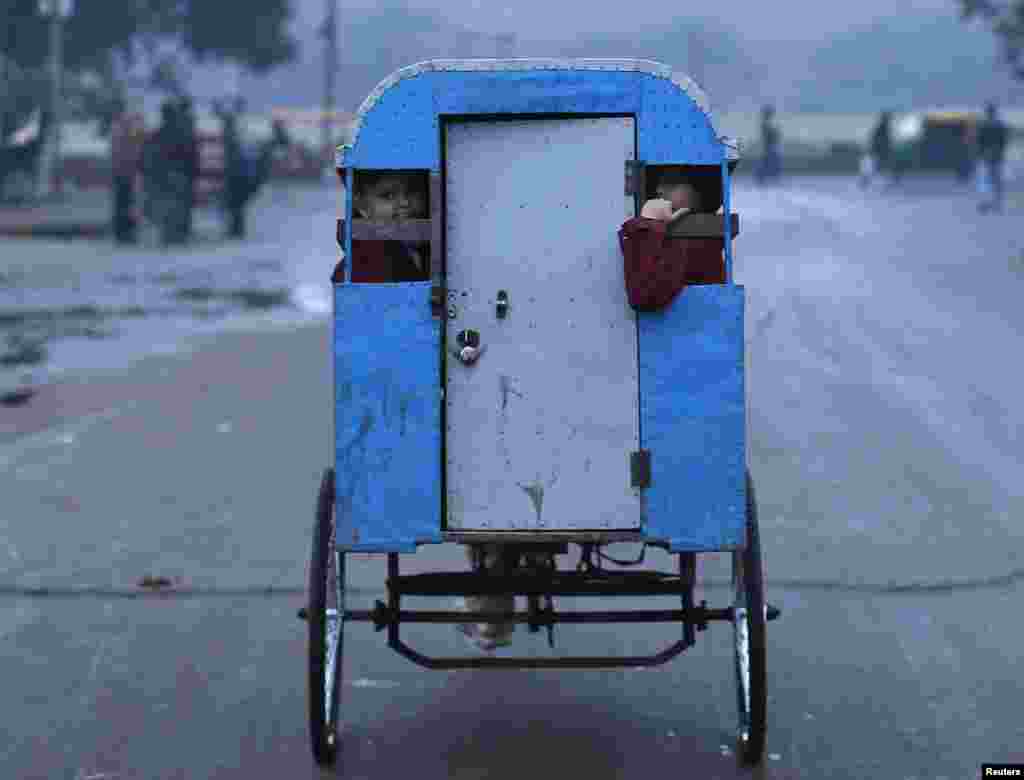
(569, 662)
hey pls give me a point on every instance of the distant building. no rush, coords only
(505, 45)
(469, 43)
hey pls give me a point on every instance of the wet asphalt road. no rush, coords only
(67, 307)
(884, 439)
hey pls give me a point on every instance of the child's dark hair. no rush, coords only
(706, 181)
(365, 180)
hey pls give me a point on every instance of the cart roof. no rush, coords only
(603, 98)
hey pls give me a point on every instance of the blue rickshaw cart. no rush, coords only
(573, 419)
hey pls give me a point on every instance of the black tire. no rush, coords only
(748, 587)
(323, 574)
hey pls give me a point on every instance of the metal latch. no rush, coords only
(640, 468)
(501, 305)
(469, 348)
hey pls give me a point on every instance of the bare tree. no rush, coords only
(1007, 21)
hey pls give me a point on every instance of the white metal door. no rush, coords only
(540, 429)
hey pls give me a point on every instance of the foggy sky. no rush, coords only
(800, 55)
(777, 20)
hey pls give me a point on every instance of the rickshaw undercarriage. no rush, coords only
(537, 585)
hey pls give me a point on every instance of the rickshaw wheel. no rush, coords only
(749, 645)
(326, 629)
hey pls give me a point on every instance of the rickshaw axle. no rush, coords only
(382, 616)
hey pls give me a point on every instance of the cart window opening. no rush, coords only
(389, 196)
(659, 265)
(706, 180)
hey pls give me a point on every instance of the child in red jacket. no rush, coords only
(657, 267)
(380, 196)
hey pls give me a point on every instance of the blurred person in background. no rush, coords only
(190, 151)
(880, 150)
(181, 153)
(770, 168)
(165, 173)
(235, 169)
(127, 138)
(246, 170)
(992, 137)
(19, 159)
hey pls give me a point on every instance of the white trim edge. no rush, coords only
(681, 80)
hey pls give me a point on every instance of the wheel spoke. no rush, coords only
(326, 628)
(331, 637)
(334, 626)
(742, 639)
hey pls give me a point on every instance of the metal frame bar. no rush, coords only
(640, 193)
(436, 229)
(469, 583)
(704, 226)
(726, 214)
(382, 616)
(418, 230)
(570, 662)
(688, 576)
(349, 183)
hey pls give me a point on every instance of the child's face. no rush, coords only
(681, 195)
(392, 197)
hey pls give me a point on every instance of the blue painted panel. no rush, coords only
(693, 418)
(537, 91)
(672, 128)
(402, 129)
(387, 418)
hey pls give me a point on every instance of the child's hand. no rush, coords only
(656, 208)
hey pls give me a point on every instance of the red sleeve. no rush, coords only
(371, 263)
(654, 269)
(705, 260)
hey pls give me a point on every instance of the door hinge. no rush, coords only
(437, 296)
(640, 468)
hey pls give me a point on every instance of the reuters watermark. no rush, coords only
(1002, 770)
